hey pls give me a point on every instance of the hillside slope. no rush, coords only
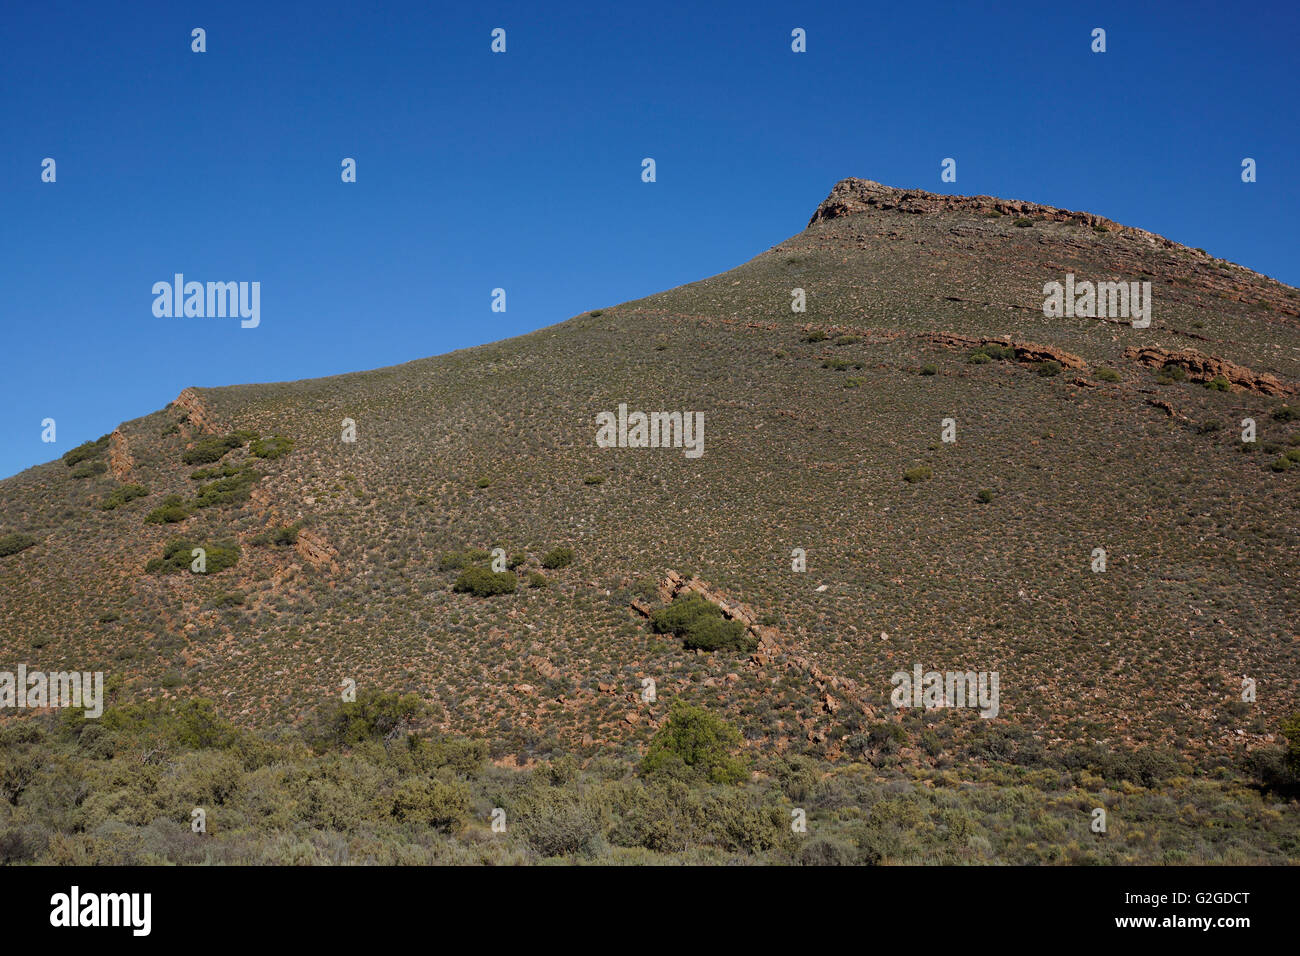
(812, 419)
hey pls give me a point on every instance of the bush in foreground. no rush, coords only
(693, 744)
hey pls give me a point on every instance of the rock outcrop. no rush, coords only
(1025, 351)
(830, 688)
(852, 196)
(316, 551)
(195, 411)
(1205, 368)
(119, 456)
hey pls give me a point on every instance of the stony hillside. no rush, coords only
(333, 559)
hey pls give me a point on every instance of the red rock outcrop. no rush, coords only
(316, 551)
(196, 412)
(1205, 368)
(1025, 351)
(119, 456)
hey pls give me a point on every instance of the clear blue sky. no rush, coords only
(522, 170)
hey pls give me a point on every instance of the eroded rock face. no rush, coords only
(1205, 368)
(1025, 351)
(119, 456)
(199, 417)
(316, 551)
(833, 690)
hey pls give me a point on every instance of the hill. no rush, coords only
(823, 431)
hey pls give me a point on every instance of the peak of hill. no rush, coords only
(825, 430)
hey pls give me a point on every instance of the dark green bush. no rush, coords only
(86, 450)
(177, 556)
(88, 469)
(919, 473)
(482, 582)
(560, 557)
(276, 446)
(696, 744)
(14, 542)
(121, 495)
(701, 624)
(431, 803)
(213, 448)
(1048, 369)
(374, 715)
(1106, 375)
(228, 490)
(171, 510)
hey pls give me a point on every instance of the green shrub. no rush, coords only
(171, 510)
(919, 473)
(482, 582)
(1219, 384)
(694, 743)
(929, 370)
(283, 536)
(1104, 374)
(432, 803)
(88, 469)
(86, 450)
(213, 448)
(14, 542)
(593, 479)
(557, 823)
(178, 556)
(816, 336)
(536, 580)
(191, 724)
(559, 557)
(483, 482)
(1286, 414)
(985, 496)
(1023, 223)
(452, 561)
(1002, 353)
(1281, 464)
(978, 357)
(701, 624)
(374, 715)
(276, 446)
(234, 488)
(1048, 369)
(121, 495)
